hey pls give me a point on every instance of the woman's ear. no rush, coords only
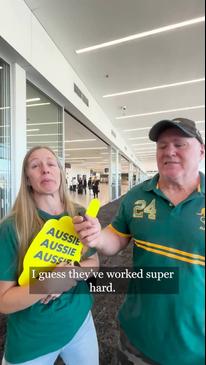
(28, 181)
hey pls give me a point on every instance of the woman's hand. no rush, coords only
(49, 298)
(83, 271)
(55, 287)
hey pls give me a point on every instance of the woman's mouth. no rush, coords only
(46, 181)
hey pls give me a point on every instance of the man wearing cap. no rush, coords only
(165, 218)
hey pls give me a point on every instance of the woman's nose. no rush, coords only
(44, 168)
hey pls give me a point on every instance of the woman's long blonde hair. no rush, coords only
(27, 221)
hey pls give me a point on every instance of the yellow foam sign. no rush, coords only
(56, 242)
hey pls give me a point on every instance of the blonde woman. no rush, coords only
(40, 328)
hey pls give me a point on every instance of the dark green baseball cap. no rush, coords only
(187, 126)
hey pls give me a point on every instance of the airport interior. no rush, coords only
(89, 79)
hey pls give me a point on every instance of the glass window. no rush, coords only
(134, 178)
(86, 158)
(115, 175)
(124, 163)
(5, 139)
(44, 121)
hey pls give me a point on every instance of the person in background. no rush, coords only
(165, 218)
(85, 184)
(90, 183)
(95, 187)
(40, 326)
(74, 183)
(80, 186)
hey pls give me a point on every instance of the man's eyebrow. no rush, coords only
(177, 139)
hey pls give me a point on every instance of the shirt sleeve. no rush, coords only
(120, 223)
(8, 251)
(88, 253)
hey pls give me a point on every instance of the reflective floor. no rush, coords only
(84, 199)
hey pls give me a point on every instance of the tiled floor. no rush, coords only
(84, 199)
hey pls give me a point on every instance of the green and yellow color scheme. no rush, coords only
(56, 242)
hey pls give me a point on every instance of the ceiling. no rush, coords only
(82, 148)
(165, 58)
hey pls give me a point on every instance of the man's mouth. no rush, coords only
(171, 163)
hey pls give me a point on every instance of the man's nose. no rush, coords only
(170, 150)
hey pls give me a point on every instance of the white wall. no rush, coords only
(30, 40)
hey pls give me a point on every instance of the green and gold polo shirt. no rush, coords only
(167, 328)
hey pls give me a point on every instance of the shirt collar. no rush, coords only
(46, 216)
(201, 187)
(152, 184)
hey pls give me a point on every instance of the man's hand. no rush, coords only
(89, 230)
(106, 241)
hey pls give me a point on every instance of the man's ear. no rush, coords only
(202, 151)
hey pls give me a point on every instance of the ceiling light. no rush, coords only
(49, 123)
(33, 130)
(154, 88)
(32, 99)
(107, 153)
(136, 129)
(162, 111)
(146, 156)
(142, 34)
(143, 144)
(104, 162)
(141, 148)
(1, 67)
(37, 104)
(86, 148)
(145, 151)
(43, 135)
(4, 107)
(135, 138)
(83, 158)
(81, 140)
(147, 128)
(56, 142)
